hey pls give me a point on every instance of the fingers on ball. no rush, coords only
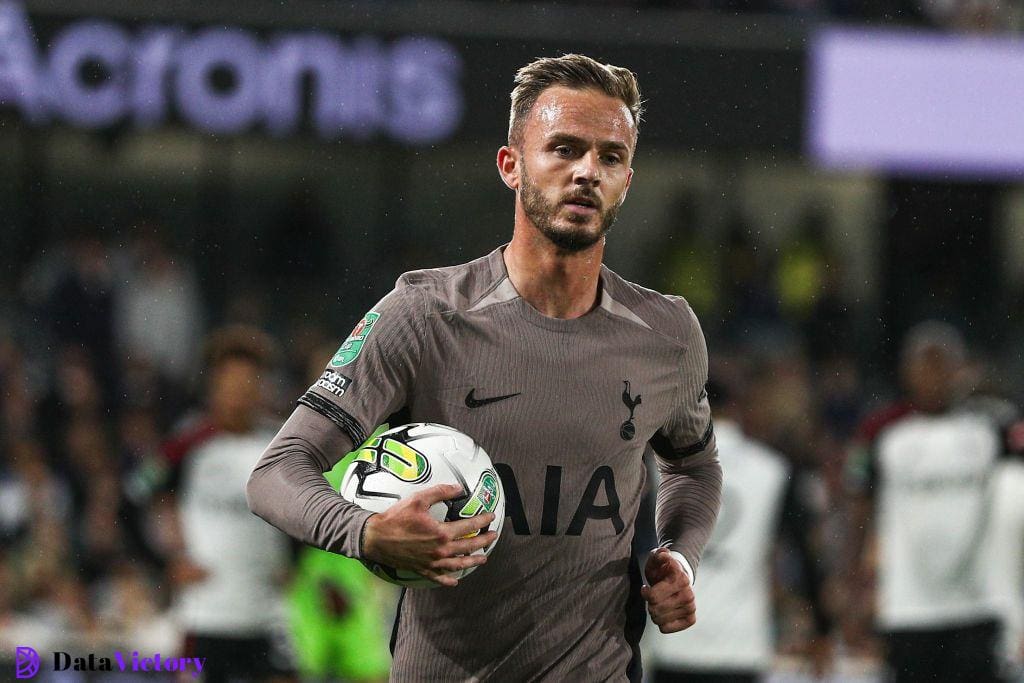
(438, 493)
(465, 527)
(465, 546)
(454, 564)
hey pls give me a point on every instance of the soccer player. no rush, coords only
(921, 472)
(563, 372)
(230, 567)
(733, 642)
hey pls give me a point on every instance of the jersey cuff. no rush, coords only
(678, 557)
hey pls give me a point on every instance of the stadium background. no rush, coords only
(128, 235)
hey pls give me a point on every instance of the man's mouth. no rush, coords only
(581, 203)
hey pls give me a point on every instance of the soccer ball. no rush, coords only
(407, 459)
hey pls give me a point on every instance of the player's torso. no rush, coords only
(564, 409)
(220, 532)
(934, 473)
(559, 409)
(242, 555)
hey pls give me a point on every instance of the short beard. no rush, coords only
(542, 214)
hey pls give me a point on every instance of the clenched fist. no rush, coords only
(668, 593)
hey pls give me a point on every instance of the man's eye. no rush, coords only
(612, 158)
(563, 151)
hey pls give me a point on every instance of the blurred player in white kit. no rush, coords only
(732, 641)
(230, 566)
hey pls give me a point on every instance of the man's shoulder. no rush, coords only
(667, 314)
(450, 287)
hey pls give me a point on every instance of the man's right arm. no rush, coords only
(288, 489)
(366, 380)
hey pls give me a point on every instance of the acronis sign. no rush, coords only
(95, 73)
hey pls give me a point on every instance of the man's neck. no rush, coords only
(559, 284)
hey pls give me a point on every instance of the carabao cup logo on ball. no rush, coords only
(484, 498)
(354, 344)
(26, 662)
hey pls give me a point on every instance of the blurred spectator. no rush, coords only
(74, 395)
(129, 614)
(808, 276)
(52, 607)
(139, 435)
(159, 309)
(751, 300)
(29, 492)
(7, 590)
(801, 268)
(733, 637)
(227, 565)
(17, 401)
(838, 383)
(73, 289)
(689, 262)
(920, 472)
(143, 386)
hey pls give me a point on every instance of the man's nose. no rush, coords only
(588, 170)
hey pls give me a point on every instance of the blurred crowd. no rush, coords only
(111, 384)
(102, 365)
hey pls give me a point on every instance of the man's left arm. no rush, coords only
(689, 496)
(689, 493)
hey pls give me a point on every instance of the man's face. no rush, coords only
(574, 164)
(930, 375)
(235, 392)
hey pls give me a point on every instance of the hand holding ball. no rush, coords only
(440, 503)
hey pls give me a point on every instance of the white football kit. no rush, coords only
(244, 557)
(932, 473)
(734, 626)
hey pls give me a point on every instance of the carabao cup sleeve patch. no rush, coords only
(353, 346)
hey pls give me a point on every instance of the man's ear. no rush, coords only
(629, 181)
(508, 166)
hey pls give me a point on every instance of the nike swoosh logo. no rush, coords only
(473, 402)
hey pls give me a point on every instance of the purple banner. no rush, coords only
(918, 103)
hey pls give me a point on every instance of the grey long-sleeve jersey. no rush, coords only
(565, 408)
